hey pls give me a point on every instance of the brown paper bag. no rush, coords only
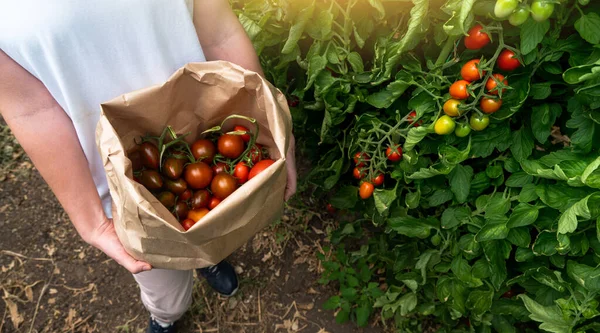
(197, 97)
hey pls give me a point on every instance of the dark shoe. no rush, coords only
(154, 327)
(221, 278)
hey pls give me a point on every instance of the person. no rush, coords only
(60, 59)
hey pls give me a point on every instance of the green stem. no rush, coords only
(445, 52)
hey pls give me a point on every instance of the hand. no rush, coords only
(105, 239)
(290, 188)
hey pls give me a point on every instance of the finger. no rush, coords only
(131, 264)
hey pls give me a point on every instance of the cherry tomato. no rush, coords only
(259, 167)
(214, 202)
(255, 153)
(378, 181)
(360, 159)
(366, 190)
(476, 38)
(492, 84)
(223, 185)
(519, 16)
(541, 10)
(230, 146)
(507, 61)
(411, 119)
(203, 150)
(186, 195)
(293, 101)
(200, 199)
(504, 8)
(197, 214)
(245, 137)
(359, 173)
(167, 199)
(198, 175)
(176, 186)
(173, 167)
(490, 105)
(150, 155)
(136, 160)
(509, 294)
(479, 123)
(187, 224)
(458, 89)
(241, 172)
(444, 125)
(181, 210)
(394, 155)
(451, 107)
(220, 167)
(330, 209)
(151, 179)
(462, 130)
(470, 72)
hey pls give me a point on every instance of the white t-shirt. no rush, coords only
(88, 52)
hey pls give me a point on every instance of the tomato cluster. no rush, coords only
(191, 180)
(517, 13)
(361, 169)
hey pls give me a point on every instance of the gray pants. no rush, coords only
(167, 294)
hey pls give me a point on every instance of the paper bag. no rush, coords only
(197, 97)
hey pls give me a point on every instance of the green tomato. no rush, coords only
(479, 123)
(541, 10)
(504, 8)
(436, 239)
(444, 125)
(519, 16)
(462, 130)
(584, 2)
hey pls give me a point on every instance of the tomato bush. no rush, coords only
(464, 217)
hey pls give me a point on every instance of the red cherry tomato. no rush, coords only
(241, 172)
(198, 175)
(411, 119)
(259, 167)
(200, 199)
(458, 89)
(203, 150)
(507, 61)
(378, 181)
(366, 190)
(490, 105)
(186, 195)
(394, 156)
(245, 137)
(255, 153)
(470, 72)
(187, 224)
(476, 38)
(330, 209)
(230, 146)
(491, 84)
(214, 202)
(360, 159)
(359, 173)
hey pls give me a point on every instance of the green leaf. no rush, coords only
(413, 227)
(439, 197)
(412, 199)
(455, 216)
(588, 26)
(461, 16)
(468, 245)
(551, 317)
(481, 269)
(407, 303)
(493, 229)
(524, 255)
(251, 27)
(332, 303)
(560, 196)
(497, 207)
(380, 10)
(519, 236)
(494, 171)
(496, 253)
(519, 179)
(363, 313)
(315, 65)
(532, 33)
(591, 174)
(545, 244)
(424, 262)
(522, 144)
(494, 137)
(356, 62)
(342, 316)
(480, 301)
(298, 28)
(523, 214)
(415, 135)
(528, 194)
(582, 138)
(384, 98)
(542, 118)
(541, 90)
(568, 220)
(345, 198)
(588, 277)
(460, 182)
(384, 199)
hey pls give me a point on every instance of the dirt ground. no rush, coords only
(51, 281)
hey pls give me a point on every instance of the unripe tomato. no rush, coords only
(436, 239)
(458, 89)
(359, 173)
(470, 72)
(394, 155)
(504, 8)
(451, 107)
(462, 130)
(541, 10)
(507, 61)
(241, 172)
(245, 137)
(366, 190)
(411, 119)
(476, 38)
(378, 181)
(491, 84)
(490, 105)
(360, 159)
(519, 16)
(444, 125)
(479, 123)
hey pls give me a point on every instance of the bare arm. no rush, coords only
(48, 136)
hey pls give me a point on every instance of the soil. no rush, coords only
(52, 281)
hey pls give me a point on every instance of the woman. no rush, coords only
(60, 59)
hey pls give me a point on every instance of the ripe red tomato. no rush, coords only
(241, 172)
(151, 179)
(149, 155)
(394, 155)
(181, 210)
(507, 61)
(187, 224)
(223, 185)
(259, 167)
(176, 186)
(198, 175)
(476, 38)
(245, 137)
(491, 84)
(255, 153)
(490, 105)
(411, 119)
(203, 150)
(360, 159)
(230, 146)
(200, 199)
(470, 72)
(136, 160)
(197, 214)
(186, 195)
(378, 181)
(359, 173)
(220, 167)
(366, 190)
(173, 167)
(509, 294)
(330, 208)
(214, 202)
(458, 89)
